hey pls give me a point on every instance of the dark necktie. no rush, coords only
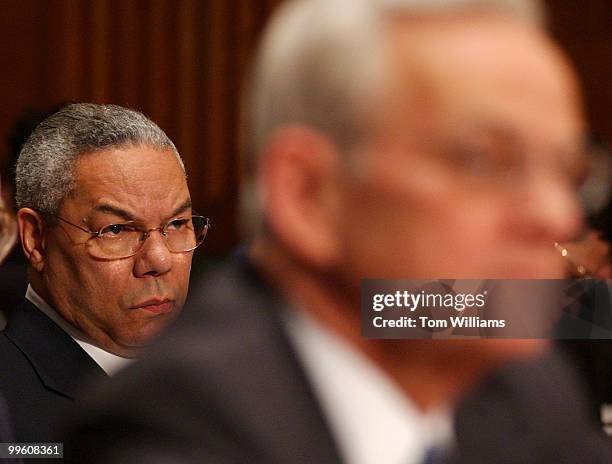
(434, 456)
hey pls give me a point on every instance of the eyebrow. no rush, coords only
(110, 209)
(127, 216)
(499, 131)
(182, 208)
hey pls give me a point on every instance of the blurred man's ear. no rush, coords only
(31, 233)
(301, 183)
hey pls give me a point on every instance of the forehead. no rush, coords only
(480, 68)
(140, 180)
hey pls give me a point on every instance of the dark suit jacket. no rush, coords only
(6, 434)
(40, 368)
(529, 412)
(225, 386)
(585, 330)
(6, 431)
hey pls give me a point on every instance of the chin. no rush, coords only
(144, 336)
(496, 351)
(516, 272)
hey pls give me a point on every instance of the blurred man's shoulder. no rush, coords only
(232, 291)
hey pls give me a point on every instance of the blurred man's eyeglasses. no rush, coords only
(123, 240)
(500, 166)
(575, 270)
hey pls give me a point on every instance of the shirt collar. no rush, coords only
(372, 420)
(109, 362)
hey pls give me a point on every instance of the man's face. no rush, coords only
(469, 168)
(120, 303)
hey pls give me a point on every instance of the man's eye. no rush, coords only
(475, 161)
(178, 224)
(115, 230)
(486, 163)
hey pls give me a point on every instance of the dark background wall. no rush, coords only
(182, 62)
(584, 29)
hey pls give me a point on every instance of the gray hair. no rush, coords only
(45, 175)
(320, 60)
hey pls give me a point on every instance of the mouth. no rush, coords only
(156, 306)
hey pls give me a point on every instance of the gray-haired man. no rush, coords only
(106, 223)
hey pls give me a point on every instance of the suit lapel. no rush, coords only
(270, 401)
(58, 360)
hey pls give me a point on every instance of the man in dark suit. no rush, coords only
(405, 139)
(106, 225)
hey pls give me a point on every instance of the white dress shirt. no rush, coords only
(372, 420)
(109, 362)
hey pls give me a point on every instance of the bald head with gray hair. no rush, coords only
(45, 171)
(322, 64)
(320, 60)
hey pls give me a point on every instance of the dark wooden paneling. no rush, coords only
(584, 29)
(181, 62)
(21, 34)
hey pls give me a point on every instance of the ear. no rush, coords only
(32, 236)
(301, 189)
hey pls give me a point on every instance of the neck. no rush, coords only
(428, 371)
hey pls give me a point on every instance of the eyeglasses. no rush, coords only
(123, 240)
(576, 270)
(502, 166)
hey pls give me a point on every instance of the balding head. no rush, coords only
(321, 61)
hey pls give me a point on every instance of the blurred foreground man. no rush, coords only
(106, 224)
(390, 139)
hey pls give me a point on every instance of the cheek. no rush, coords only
(114, 277)
(105, 286)
(83, 286)
(416, 234)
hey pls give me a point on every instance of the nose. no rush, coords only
(154, 258)
(551, 211)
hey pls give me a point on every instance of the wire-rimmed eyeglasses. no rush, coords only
(575, 269)
(125, 239)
